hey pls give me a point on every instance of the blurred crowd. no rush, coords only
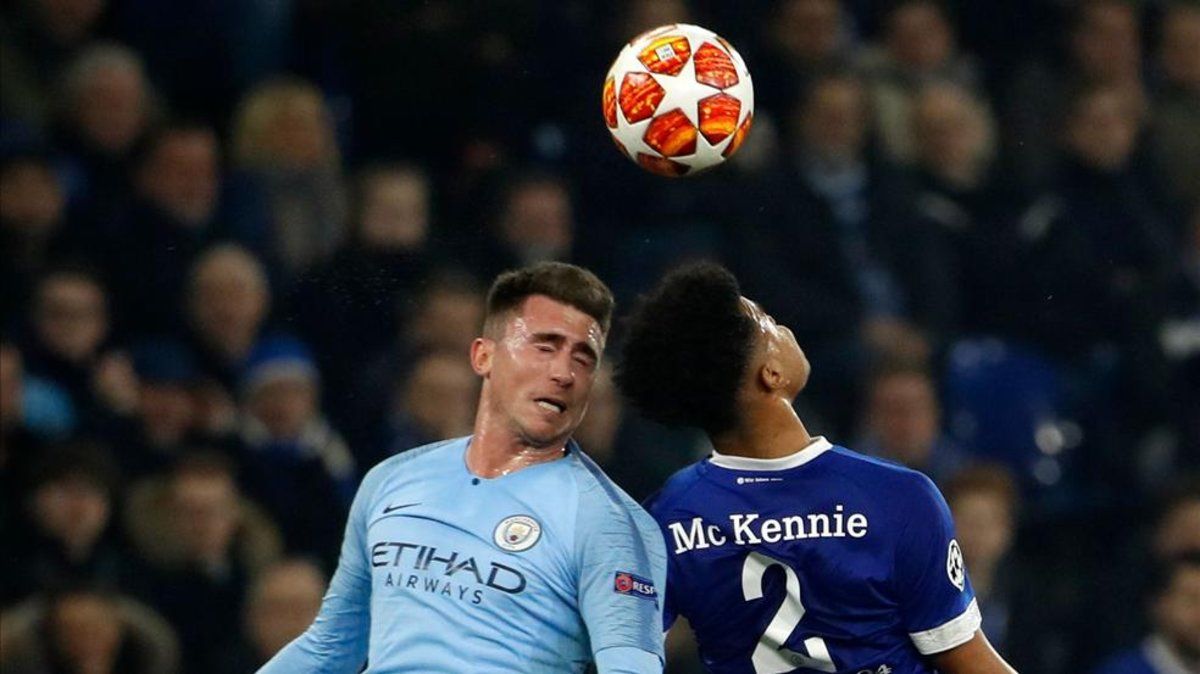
(245, 245)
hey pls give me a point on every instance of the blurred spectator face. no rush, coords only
(1106, 43)
(919, 36)
(537, 221)
(282, 604)
(597, 434)
(86, 632)
(72, 509)
(834, 121)
(439, 395)
(952, 132)
(1179, 52)
(395, 210)
(1179, 530)
(11, 387)
(1177, 612)
(285, 125)
(447, 319)
(31, 199)
(229, 299)
(70, 317)
(984, 522)
(168, 412)
(809, 30)
(207, 513)
(285, 405)
(1102, 129)
(904, 416)
(68, 21)
(180, 176)
(111, 99)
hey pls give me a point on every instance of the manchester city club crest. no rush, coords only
(517, 533)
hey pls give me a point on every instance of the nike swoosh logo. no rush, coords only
(392, 508)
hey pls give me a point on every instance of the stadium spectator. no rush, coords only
(903, 423)
(436, 399)
(203, 547)
(171, 218)
(1096, 250)
(842, 260)
(984, 501)
(287, 195)
(534, 223)
(1102, 47)
(804, 38)
(228, 301)
(87, 630)
(355, 303)
(32, 214)
(68, 503)
(106, 106)
(960, 199)
(67, 345)
(37, 39)
(281, 603)
(1173, 646)
(167, 415)
(919, 47)
(290, 459)
(442, 318)
(1177, 106)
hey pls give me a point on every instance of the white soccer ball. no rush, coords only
(678, 100)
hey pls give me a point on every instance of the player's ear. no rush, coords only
(771, 376)
(482, 350)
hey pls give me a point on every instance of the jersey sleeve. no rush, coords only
(337, 640)
(622, 573)
(653, 504)
(937, 602)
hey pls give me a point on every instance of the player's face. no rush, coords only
(779, 344)
(541, 371)
(1178, 611)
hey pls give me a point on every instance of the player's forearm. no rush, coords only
(627, 660)
(973, 657)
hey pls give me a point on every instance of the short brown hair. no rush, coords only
(987, 478)
(559, 281)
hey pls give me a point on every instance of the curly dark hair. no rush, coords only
(687, 347)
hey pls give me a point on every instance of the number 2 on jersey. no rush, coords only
(770, 657)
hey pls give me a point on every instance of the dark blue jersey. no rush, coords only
(822, 561)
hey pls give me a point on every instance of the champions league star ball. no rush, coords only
(678, 100)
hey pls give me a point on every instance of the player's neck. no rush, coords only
(496, 451)
(767, 430)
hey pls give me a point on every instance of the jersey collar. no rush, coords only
(812, 450)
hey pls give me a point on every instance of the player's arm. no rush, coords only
(973, 657)
(337, 640)
(623, 615)
(937, 602)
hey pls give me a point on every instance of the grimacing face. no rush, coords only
(780, 344)
(539, 373)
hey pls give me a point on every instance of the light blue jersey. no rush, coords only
(541, 570)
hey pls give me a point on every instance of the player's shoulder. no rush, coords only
(598, 493)
(898, 489)
(675, 489)
(1131, 661)
(442, 450)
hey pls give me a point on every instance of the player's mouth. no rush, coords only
(553, 405)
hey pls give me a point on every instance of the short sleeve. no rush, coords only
(937, 602)
(622, 576)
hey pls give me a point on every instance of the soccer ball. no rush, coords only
(678, 100)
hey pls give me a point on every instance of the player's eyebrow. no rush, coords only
(560, 339)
